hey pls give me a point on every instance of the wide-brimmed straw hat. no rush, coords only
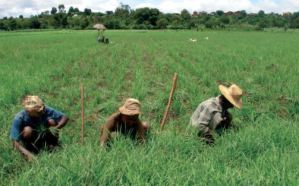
(33, 104)
(130, 107)
(233, 94)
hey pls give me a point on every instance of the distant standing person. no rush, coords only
(30, 128)
(125, 121)
(213, 114)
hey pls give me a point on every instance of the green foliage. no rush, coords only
(53, 10)
(185, 15)
(12, 24)
(146, 16)
(162, 23)
(150, 18)
(87, 11)
(261, 150)
(34, 23)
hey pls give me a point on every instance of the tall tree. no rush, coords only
(12, 24)
(186, 16)
(53, 10)
(61, 8)
(71, 11)
(34, 23)
(87, 11)
(147, 16)
(2, 25)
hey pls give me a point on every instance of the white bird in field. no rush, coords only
(193, 40)
(206, 38)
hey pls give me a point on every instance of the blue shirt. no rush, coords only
(22, 119)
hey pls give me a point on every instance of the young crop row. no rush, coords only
(138, 64)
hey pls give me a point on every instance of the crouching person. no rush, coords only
(212, 115)
(36, 127)
(125, 121)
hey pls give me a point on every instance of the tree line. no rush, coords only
(150, 18)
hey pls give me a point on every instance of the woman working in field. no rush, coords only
(125, 121)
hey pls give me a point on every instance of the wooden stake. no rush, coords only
(82, 112)
(175, 76)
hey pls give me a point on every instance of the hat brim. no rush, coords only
(127, 112)
(224, 91)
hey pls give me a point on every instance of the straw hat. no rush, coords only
(233, 94)
(99, 26)
(131, 107)
(33, 104)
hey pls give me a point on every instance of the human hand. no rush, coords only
(208, 138)
(103, 145)
(54, 131)
(30, 157)
(146, 126)
(51, 123)
(227, 119)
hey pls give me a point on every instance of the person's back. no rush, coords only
(213, 114)
(208, 112)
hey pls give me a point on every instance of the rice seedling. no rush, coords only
(261, 150)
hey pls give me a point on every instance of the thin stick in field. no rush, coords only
(175, 76)
(82, 112)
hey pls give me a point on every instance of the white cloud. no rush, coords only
(97, 5)
(142, 5)
(32, 7)
(279, 6)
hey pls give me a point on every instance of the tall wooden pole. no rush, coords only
(82, 112)
(175, 76)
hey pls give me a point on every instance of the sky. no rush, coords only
(33, 7)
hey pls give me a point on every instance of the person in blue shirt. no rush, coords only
(36, 127)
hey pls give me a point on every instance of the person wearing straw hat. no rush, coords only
(125, 121)
(36, 127)
(212, 114)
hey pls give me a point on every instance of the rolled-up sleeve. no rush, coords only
(54, 114)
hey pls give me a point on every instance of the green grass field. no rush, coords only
(263, 150)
